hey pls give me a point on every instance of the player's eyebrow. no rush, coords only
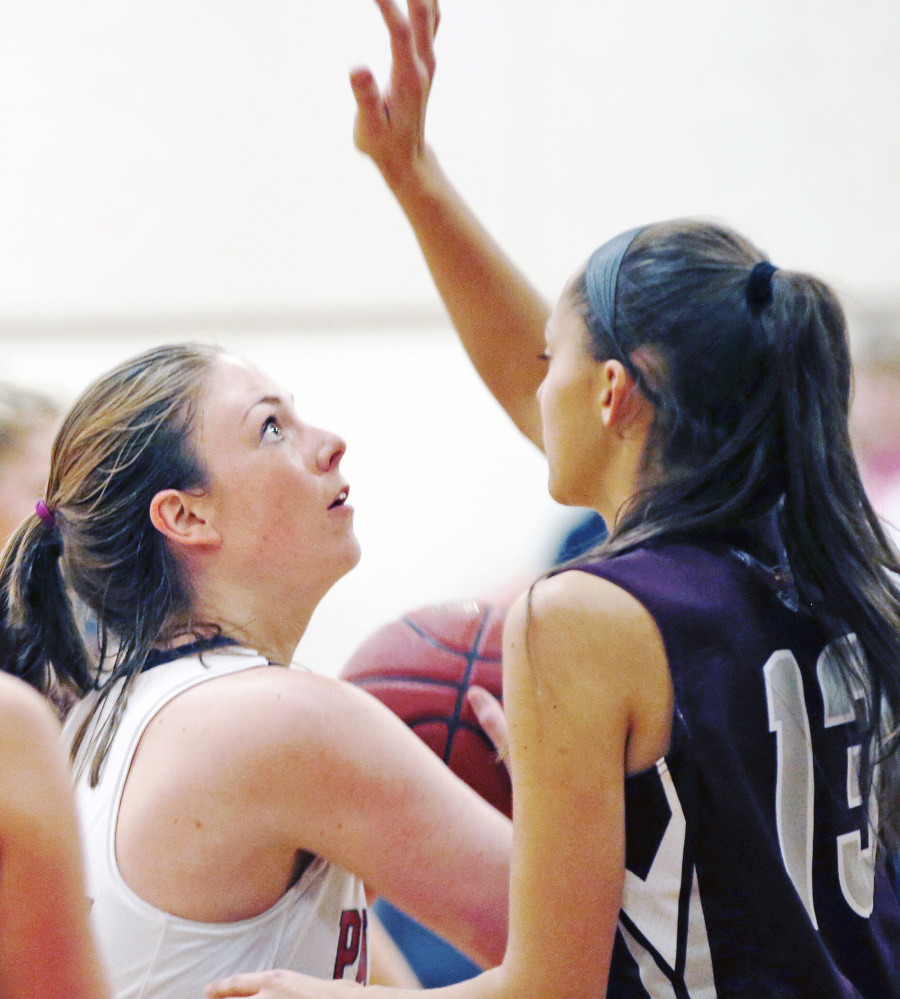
(270, 400)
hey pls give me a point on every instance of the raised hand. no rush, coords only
(390, 124)
(499, 315)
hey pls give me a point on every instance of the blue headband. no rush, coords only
(601, 277)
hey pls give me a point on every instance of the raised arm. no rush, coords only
(499, 316)
(46, 947)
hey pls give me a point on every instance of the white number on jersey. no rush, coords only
(795, 788)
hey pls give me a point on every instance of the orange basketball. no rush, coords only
(421, 667)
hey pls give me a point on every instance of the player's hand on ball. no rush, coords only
(390, 125)
(280, 985)
(489, 713)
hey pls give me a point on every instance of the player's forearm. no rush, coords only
(387, 964)
(499, 315)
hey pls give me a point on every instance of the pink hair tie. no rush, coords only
(46, 516)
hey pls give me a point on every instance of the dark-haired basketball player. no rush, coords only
(703, 713)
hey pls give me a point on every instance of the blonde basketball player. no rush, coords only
(233, 809)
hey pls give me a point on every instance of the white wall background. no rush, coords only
(175, 168)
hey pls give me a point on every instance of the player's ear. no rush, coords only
(620, 402)
(612, 391)
(182, 517)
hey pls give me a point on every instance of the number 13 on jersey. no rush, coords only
(795, 775)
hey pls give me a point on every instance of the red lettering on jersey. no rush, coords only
(353, 944)
(362, 972)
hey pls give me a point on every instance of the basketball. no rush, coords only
(421, 666)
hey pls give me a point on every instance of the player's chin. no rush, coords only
(341, 559)
(561, 492)
(352, 552)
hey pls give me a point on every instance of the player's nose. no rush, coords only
(330, 451)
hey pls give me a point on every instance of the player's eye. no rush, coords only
(544, 356)
(271, 429)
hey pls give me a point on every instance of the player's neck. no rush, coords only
(273, 627)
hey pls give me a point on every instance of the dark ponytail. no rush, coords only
(842, 560)
(748, 370)
(38, 623)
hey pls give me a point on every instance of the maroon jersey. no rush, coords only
(751, 870)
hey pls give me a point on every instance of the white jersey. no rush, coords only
(318, 927)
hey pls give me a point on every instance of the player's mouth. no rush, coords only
(340, 499)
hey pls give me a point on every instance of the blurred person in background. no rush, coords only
(28, 421)
(875, 425)
(875, 421)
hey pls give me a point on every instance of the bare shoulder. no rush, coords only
(29, 731)
(317, 740)
(34, 774)
(270, 702)
(575, 592)
(587, 642)
(575, 614)
(24, 712)
(273, 719)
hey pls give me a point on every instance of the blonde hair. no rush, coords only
(127, 437)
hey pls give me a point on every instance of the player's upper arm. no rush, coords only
(588, 697)
(350, 782)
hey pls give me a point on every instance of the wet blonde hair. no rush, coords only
(126, 438)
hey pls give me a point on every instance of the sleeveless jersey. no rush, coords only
(750, 868)
(317, 927)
